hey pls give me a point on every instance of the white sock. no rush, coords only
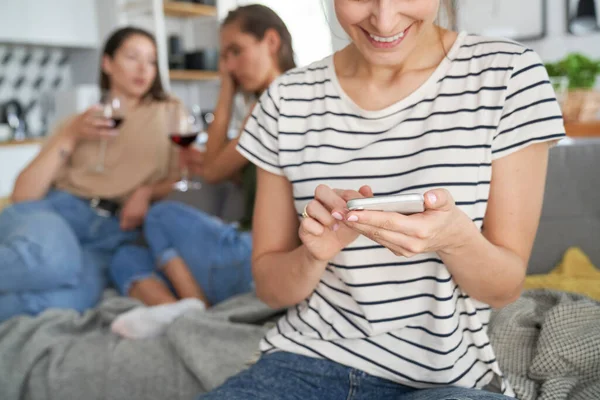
(149, 322)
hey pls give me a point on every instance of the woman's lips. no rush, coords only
(386, 45)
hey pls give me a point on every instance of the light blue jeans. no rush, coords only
(54, 253)
(287, 376)
(217, 254)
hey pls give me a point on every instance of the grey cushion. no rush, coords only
(571, 213)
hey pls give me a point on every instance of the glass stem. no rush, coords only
(102, 155)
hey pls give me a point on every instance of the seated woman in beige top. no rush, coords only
(67, 219)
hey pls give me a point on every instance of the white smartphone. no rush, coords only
(403, 204)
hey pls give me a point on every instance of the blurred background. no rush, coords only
(50, 51)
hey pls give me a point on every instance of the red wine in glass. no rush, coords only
(117, 121)
(183, 140)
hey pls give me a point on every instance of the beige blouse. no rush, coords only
(141, 154)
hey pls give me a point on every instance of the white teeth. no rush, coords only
(387, 39)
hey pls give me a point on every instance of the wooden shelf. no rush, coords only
(583, 129)
(192, 75)
(22, 142)
(181, 9)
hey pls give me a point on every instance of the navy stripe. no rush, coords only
(311, 99)
(390, 139)
(432, 185)
(425, 150)
(260, 142)
(420, 119)
(495, 53)
(300, 344)
(440, 352)
(305, 83)
(285, 316)
(537, 103)
(337, 309)
(269, 343)
(446, 335)
(531, 122)
(412, 297)
(324, 320)
(393, 264)
(492, 69)
(303, 71)
(265, 112)
(481, 377)
(470, 203)
(402, 282)
(514, 75)
(477, 219)
(299, 315)
(394, 175)
(540, 83)
(334, 288)
(239, 145)
(431, 100)
(272, 101)
(535, 139)
(492, 42)
(263, 127)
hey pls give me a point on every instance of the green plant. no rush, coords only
(581, 70)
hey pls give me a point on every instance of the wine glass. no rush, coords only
(113, 108)
(183, 128)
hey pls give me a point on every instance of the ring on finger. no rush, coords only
(305, 213)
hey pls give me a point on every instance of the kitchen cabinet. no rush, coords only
(13, 158)
(64, 23)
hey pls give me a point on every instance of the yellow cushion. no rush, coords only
(4, 201)
(575, 273)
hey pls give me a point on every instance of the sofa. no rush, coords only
(570, 215)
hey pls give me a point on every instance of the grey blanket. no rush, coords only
(63, 355)
(548, 346)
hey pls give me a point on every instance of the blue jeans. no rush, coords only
(287, 376)
(53, 254)
(217, 254)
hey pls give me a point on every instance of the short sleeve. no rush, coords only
(531, 113)
(259, 141)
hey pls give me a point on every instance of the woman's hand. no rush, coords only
(442, 228)
(322, 230)
(228, 83)
(90, 124)
(192, 159)
(135, 208)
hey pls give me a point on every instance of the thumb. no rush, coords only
(366, 191)
(438, 199)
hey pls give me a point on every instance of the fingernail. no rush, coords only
(335, 227)
(352, 218)
(337, 216)
(432, 198)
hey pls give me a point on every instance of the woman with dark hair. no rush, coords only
(67, 219)
(192, 254)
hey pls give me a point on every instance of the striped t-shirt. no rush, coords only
(401, 319)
